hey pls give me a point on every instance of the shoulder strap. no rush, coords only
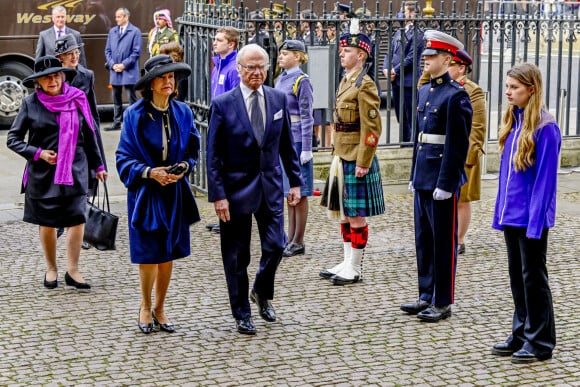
(297, 83)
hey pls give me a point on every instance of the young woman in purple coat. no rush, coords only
(525, 210)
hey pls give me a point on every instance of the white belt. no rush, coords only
(294, 118)
(426, 138)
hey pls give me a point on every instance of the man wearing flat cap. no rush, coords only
(354, 188)
(444, 116)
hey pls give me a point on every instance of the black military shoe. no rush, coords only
(503, 349)
(435, 313)
(415, 307)
(524, 357)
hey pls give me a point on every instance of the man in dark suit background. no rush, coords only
(122, 53)
(406, 49)
(248, 139)
(47, 38)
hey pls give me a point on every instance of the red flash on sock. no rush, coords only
(359, 236)
(346, 232)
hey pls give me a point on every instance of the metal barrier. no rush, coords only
(498, 34)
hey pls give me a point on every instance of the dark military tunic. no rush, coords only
(444, 117)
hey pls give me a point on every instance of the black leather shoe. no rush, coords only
(50, 284)
(338, 280)
(70, 281)
(144, 327)
(293, 249)
(461, 248)
(85, 246)
(59, 232)
(216, 229)
(415, 307)
(503, 349)
(210, 226)
(169, 327)
(524, 357)
(246, 326)
(267, 311)
(435, 313)
(326, 274)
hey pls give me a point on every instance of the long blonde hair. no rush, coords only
(528, 75)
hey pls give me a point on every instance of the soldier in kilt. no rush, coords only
(354, 188)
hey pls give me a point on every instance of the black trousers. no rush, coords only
(235, 238)
(118, 101)
(436, 246)
(533, 322)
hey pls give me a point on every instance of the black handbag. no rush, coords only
(101, 226)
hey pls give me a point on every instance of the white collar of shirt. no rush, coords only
(247, 92)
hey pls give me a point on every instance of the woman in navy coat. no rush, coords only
(158, 133)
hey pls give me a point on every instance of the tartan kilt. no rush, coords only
(363, 196)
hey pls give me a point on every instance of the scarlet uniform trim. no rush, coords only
(441, 46)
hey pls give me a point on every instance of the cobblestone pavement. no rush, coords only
(326, 335)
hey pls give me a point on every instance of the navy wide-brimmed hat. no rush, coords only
(293, 45)
(159, 65)
(65, 44)
(46, 65)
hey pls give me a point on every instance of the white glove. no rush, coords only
(439, 194)
(411, 188)
(305, 156)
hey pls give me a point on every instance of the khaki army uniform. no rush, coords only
(158, 37)
(357, 120)
(471, 190)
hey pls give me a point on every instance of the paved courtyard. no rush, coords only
(326, 335)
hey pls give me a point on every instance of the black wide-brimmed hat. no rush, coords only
(66, 43)
(159, 65)
(46, 65)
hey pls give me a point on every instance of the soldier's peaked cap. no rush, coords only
(437, 42)
(462, 58)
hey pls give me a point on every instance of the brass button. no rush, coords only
(427, 104)
(431, 90)
(420, 147)
(435, 110)
(424, 118)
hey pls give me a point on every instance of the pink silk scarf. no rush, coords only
(66, 106)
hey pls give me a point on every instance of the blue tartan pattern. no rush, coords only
(363, 196)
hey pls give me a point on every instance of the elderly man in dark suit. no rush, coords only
(122, 54)
(406, 49)
(248, 139)
(47, 38)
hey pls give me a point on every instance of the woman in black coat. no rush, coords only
(54, 132)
